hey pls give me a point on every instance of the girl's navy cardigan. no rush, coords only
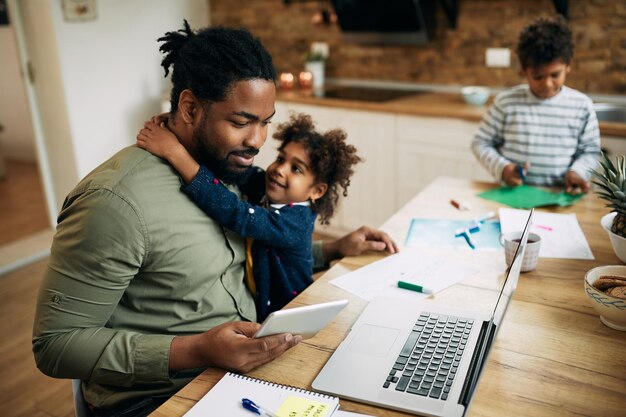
(281, 250)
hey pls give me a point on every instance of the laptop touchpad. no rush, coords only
(373, 340)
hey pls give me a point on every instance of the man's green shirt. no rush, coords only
(133, 263)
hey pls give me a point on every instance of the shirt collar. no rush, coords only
(265, 202)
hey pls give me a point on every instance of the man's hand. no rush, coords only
(229, 346)
(575, 184)
(357, 242)
(511, 175)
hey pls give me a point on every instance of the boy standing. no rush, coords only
(543, 132)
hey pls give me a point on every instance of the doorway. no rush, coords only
(25, 228)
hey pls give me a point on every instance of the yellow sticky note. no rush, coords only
(302, 407)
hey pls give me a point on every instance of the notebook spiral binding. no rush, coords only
(288, 387)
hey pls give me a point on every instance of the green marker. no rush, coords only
(414, 287)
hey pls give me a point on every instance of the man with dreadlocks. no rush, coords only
(143, 290)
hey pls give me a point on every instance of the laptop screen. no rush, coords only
(512, 277)
(490, 328)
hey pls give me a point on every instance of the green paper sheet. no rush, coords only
(525, 197)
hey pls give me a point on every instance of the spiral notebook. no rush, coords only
(224, 399)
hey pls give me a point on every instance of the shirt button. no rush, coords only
(56, 299)
(251, 210)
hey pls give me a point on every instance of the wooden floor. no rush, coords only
(24, 391)
(22, 203)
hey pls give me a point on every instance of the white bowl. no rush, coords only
(618, 242)
(612, 310)
(475, 95)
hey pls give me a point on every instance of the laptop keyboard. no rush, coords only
(429, 360)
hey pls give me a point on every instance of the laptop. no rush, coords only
(416, 357)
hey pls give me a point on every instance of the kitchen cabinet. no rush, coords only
(613, 145)
(402, 155)
(429, 147)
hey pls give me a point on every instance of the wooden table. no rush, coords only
(552, 355)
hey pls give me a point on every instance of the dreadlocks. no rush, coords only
(209, 61)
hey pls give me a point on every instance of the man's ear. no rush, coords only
(318, 191)
(189, 107)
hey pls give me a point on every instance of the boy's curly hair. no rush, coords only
(545, 40)
(331, 158)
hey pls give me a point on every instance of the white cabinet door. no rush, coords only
(371, 194)
(429, 147)
(613, 145)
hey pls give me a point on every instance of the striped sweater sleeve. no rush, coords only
(588, 149)
(488, 138)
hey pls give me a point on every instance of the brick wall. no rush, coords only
(456, 56)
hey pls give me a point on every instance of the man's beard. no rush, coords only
(209, 157)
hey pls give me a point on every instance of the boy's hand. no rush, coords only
(575, 184)
(511, 175)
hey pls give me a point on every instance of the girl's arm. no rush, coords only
(281, 228)
(158, 140)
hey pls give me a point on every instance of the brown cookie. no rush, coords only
(618, 292)
(614, 277)
(609, 281)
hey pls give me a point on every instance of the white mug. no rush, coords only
(531, 256)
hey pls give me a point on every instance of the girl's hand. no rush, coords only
(157, 139)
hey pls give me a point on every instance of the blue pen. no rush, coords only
(520, 171)
(475, 228)
(255, 408)
(466, 235)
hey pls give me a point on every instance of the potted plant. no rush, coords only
(314, 63)
(611, 180)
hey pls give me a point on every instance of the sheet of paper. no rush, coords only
(411, 265)
(440, 233)
(561, 235)
(341, 413)
(525, 196)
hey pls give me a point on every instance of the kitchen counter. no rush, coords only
(422, 103)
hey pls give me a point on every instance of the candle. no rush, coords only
(305, 79)
(287, 81)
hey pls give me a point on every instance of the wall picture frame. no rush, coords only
(79, 10)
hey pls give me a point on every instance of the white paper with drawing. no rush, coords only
(561, 235)
(410, 265)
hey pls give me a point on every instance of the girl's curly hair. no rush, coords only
(331, 158)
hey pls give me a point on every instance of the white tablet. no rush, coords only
(305, 321)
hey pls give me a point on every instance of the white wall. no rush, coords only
(111, 71)
(16, 141)
(95, 81)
